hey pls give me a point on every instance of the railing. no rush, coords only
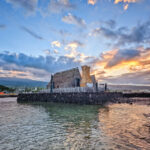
(73, 90)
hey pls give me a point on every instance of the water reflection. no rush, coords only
(48, 126)
(128, 126)
(79, 123)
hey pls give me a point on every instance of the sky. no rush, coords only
(41, 37)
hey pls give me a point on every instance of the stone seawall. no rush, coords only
(138, 94)
(76, 98)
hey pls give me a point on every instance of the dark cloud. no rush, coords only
(29, 5)
(31, 33)
(121, 36)
(138, 34)
(58, 6)
(71, 19)
(2, 26)
(111, 23)
(123, 55)
(147, 49)
(47, 63)
(123, 30)
(12, 70)
(108, 33)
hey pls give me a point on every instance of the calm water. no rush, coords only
(73, 127)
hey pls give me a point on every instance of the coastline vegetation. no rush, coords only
(6, 89)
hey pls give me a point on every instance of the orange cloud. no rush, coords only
(126, 6)
(55, 44)
(18, 74)
(138, 63)
(92, 2)
(126, 2)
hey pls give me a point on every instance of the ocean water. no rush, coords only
(48, 126)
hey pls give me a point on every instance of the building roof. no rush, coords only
(69, 73)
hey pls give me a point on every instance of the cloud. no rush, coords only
(114, 66)
(54, 6)
(72, 49)
(58, 6)
(136, 78)
(122, 66)
(2, 26)
(72, 52)
(92, 2)
(31, 33)
(47, 51)
(56, 44)
(110, 23)
(138, 34)
(37, 68)
(74, 45)
(102, 31)
(28, 5)
(71, 19)
(14, 71)
(123, 55)
(126, 2)
(56, 51)
(47, 63)
(50, 52)
(126, 6)
(121, 36)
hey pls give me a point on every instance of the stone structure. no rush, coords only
(72, 78)
(94, 98)
(94, 82)
(97, 98)
(87, 79)
(65, 79)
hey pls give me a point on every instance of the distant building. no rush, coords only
(72, 78)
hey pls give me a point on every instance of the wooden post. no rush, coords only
(51, 89)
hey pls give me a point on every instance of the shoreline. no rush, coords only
(4, 96)
(134, 100)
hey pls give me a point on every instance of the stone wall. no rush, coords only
(66, 78)
(86, 78)
(138, 94)
(76, 98)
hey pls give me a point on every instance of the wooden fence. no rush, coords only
(73, 90)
